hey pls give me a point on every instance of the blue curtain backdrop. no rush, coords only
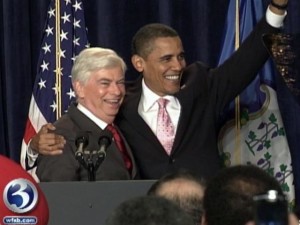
(112, 23)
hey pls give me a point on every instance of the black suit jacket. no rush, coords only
(65, 167)
(204, 94)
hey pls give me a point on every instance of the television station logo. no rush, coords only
(20, 196)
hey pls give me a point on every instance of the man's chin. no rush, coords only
(173, 90)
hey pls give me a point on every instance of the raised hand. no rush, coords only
(278, 6)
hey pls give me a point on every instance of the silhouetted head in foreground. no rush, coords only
(148, 210)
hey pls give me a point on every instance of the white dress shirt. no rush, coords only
(91, 116)
(148, 108)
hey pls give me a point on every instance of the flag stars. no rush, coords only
(44, 66)
(66, 17)
(73, 58)
(71, 94)
(51, 12)
(42, 83)
(76, 23)
(62, 53)
(77, 6)
(63, 35)
(68, 2)
(49, 30)
(53, 106)
(59, 71)
(55, 89)
(76, 41)
(46, 48)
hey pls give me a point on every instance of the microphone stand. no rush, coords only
(91, 168)
(91, 160)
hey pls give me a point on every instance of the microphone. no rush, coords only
(104, 142)
(81, 142)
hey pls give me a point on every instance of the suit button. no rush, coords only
(172, 160)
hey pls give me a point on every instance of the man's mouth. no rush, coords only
(112, 101)
(172, 77)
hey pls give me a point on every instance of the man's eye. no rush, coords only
(121, 82)
(181, 57)
(104, 83)
(166, 59)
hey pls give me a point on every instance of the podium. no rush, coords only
(81, 203)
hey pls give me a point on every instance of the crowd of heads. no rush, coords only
(226, 199)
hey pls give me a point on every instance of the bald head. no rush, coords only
(183, 188)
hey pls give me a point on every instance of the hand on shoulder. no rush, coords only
(46, 142)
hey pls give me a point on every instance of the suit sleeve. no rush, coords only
(233, 76)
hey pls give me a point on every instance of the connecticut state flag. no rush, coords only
(260, 137)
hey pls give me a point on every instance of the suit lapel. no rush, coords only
(136, 121)
(186, 99)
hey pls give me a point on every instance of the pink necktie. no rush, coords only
(165, 129)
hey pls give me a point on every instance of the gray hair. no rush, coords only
(93, 59)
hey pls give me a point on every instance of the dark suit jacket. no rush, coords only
(204, 94)
(65, 167)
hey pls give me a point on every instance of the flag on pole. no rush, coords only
(65, 35)
(254, 132)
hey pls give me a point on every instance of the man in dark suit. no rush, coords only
(195, 101)
(196, 96)
(98, 78)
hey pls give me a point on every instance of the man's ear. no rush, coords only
(78, 88)
(138, 63)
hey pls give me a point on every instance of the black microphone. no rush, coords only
(104, 142)
(81, 142)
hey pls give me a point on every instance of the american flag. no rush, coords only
(64, 37)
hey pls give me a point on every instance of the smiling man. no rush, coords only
(193, 98)
(98, 77)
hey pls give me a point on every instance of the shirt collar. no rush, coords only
(149, 98)
(91, 116)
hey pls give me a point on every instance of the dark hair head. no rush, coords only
(148, 210)
(228, 197)
(142, 42)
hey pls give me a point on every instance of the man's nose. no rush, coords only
(178, 64)
(115, 88)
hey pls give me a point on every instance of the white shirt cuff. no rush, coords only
(275, 20)
(31, 156)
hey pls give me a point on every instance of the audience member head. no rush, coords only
(158, 54)
(183, 188)
(21, 197)
(148, 210)
(228, 198)
(98, 78)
